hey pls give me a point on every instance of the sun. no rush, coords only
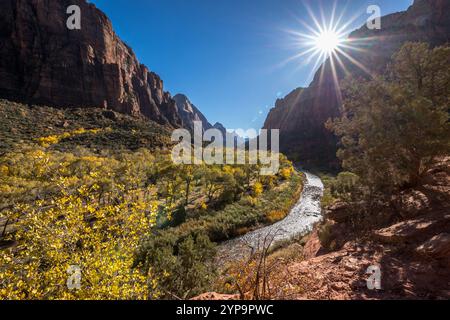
(327, 42)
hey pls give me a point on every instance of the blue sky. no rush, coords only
(228, 56)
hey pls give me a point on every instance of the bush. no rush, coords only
(326, 236)
(393, 127)
(275, 215)
(258, 189)
(183, 268)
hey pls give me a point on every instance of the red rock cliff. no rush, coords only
(302, 114)
(44, 62)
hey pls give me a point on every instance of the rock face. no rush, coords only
(44, 62)
(301, 115)
(224, 131)
(189, 113)
(437, 247)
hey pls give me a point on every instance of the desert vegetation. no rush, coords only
(138, 226)
(394, 134)
(393, 129)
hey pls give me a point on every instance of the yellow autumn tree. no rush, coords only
(74, 230)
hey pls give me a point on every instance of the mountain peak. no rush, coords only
(189, 113)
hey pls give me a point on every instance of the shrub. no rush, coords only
(258, 189)
(392, 128)
(286, 173)
(326, 236)
(183, 268)
(275, 215)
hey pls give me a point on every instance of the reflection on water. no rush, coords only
(300, 221)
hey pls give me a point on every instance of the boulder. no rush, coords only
(437, 247)
(412, 203)
(338, 212)
(312, 247)
(409, 231)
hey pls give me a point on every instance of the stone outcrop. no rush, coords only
(190, 113)
(43, 62)
(436, 247)
(412, 230)
(302, 114)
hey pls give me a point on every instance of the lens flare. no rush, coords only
(325, 39)
(328, 42)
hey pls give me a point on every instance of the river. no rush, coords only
(300, 221)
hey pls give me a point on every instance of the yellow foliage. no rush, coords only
(74, 231)
(274, 216)
(286, 173)
(48, 141)
(251, 201)
(258, 189)
(79, 131)
(4, 170)
(54, 139)
(95, 211)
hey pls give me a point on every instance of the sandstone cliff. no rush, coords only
(44, 62)
(190, 113)
(301, 115)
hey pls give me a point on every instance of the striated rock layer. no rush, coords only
(301, 115)
(44, 62)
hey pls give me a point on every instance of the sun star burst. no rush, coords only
(327, 40)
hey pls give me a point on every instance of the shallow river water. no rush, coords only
(303, 216)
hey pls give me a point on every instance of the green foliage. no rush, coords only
(394, 127)
(234, 219)
(345, 186)
(326, 237)
(184, 269)
(123, 207)
(21, 123)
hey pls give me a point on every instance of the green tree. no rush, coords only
(183, 268)
(394, 127)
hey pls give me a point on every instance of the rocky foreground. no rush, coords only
(413, 254)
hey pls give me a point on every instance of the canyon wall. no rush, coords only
(302, 114)
(43, 62)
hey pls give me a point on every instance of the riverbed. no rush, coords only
(300, 221)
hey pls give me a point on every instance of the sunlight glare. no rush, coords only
(326, 39)
(327, 42)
